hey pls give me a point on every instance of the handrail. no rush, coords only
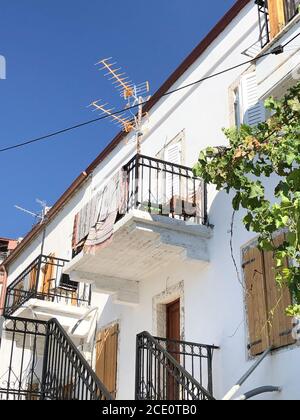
(163, 162)
(30, 284)
(244, 378)
(89, 385)
(258, 391)
(188, 343)
(45, 364)
(183, 378)
(165, 188)
(24, 272)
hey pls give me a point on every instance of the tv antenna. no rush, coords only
(132, 94)
(38, 216)
(41, 217)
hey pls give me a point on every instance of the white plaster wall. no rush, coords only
(214, 308)
(272, 69)
(214, 314)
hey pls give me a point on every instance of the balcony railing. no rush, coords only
(40, 362)
(291, 9)
(44, 279)
(3, 256)
(165, 189)
(269, 25)
(173, 370)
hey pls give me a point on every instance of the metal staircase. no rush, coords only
(44, 364)
(172, 370)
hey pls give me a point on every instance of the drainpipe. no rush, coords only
(234, 390)
(258, 391)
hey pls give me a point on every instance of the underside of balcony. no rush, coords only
(141, 245)
(43, 292)
(67, 315)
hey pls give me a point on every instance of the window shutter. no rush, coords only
(18, 295)
(48, 270)
(278, 300)
(256, 301)
(106, 358)
(75, 231)
(253, 108)
(173, 155)
(33, 278)
(276, 10)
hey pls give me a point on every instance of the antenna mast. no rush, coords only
(41, 216)
(132, 94)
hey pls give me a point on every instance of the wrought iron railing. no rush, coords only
(44, 279)
(291, 9)
(3, 256)
(173, 370)
(66, 373)
(166, 189)
(40, 362)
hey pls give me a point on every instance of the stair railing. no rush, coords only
(159, 376)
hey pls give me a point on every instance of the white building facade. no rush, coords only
(159, 260)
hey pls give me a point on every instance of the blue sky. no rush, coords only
(51, 47)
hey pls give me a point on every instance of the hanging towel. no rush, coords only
(110, 202)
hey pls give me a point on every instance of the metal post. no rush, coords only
(209, 371)
(137, 180)
(38, 275)
(45, 364)
(204, 204)
(137, 369)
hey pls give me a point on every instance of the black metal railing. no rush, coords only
(44, 279)
(166, 189)
(3, 256)
(291, 9)
(66, 373)
(40, 362)
(173, 370)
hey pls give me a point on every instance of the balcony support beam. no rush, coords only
(123, 291)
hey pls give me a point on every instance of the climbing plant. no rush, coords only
(254, 154)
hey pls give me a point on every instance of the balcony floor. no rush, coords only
(141, 245)
(67, 315)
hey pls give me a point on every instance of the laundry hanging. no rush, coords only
(94, 224)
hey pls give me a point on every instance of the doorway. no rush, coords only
(173, 333)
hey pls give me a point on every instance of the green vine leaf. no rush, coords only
(270, 149)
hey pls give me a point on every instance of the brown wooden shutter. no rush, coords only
(256, 301)
(48, 276)
(277, 16)
(106, 358)
(18, 293)
(33, 391)
(278, 299)
(33, 278)
(75, 231)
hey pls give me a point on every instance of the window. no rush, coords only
(253, 109)
(173, 155)
(66, 282)
(281, 12)
(266, 302)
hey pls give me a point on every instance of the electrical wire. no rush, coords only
(276, 51)
(291, 40)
